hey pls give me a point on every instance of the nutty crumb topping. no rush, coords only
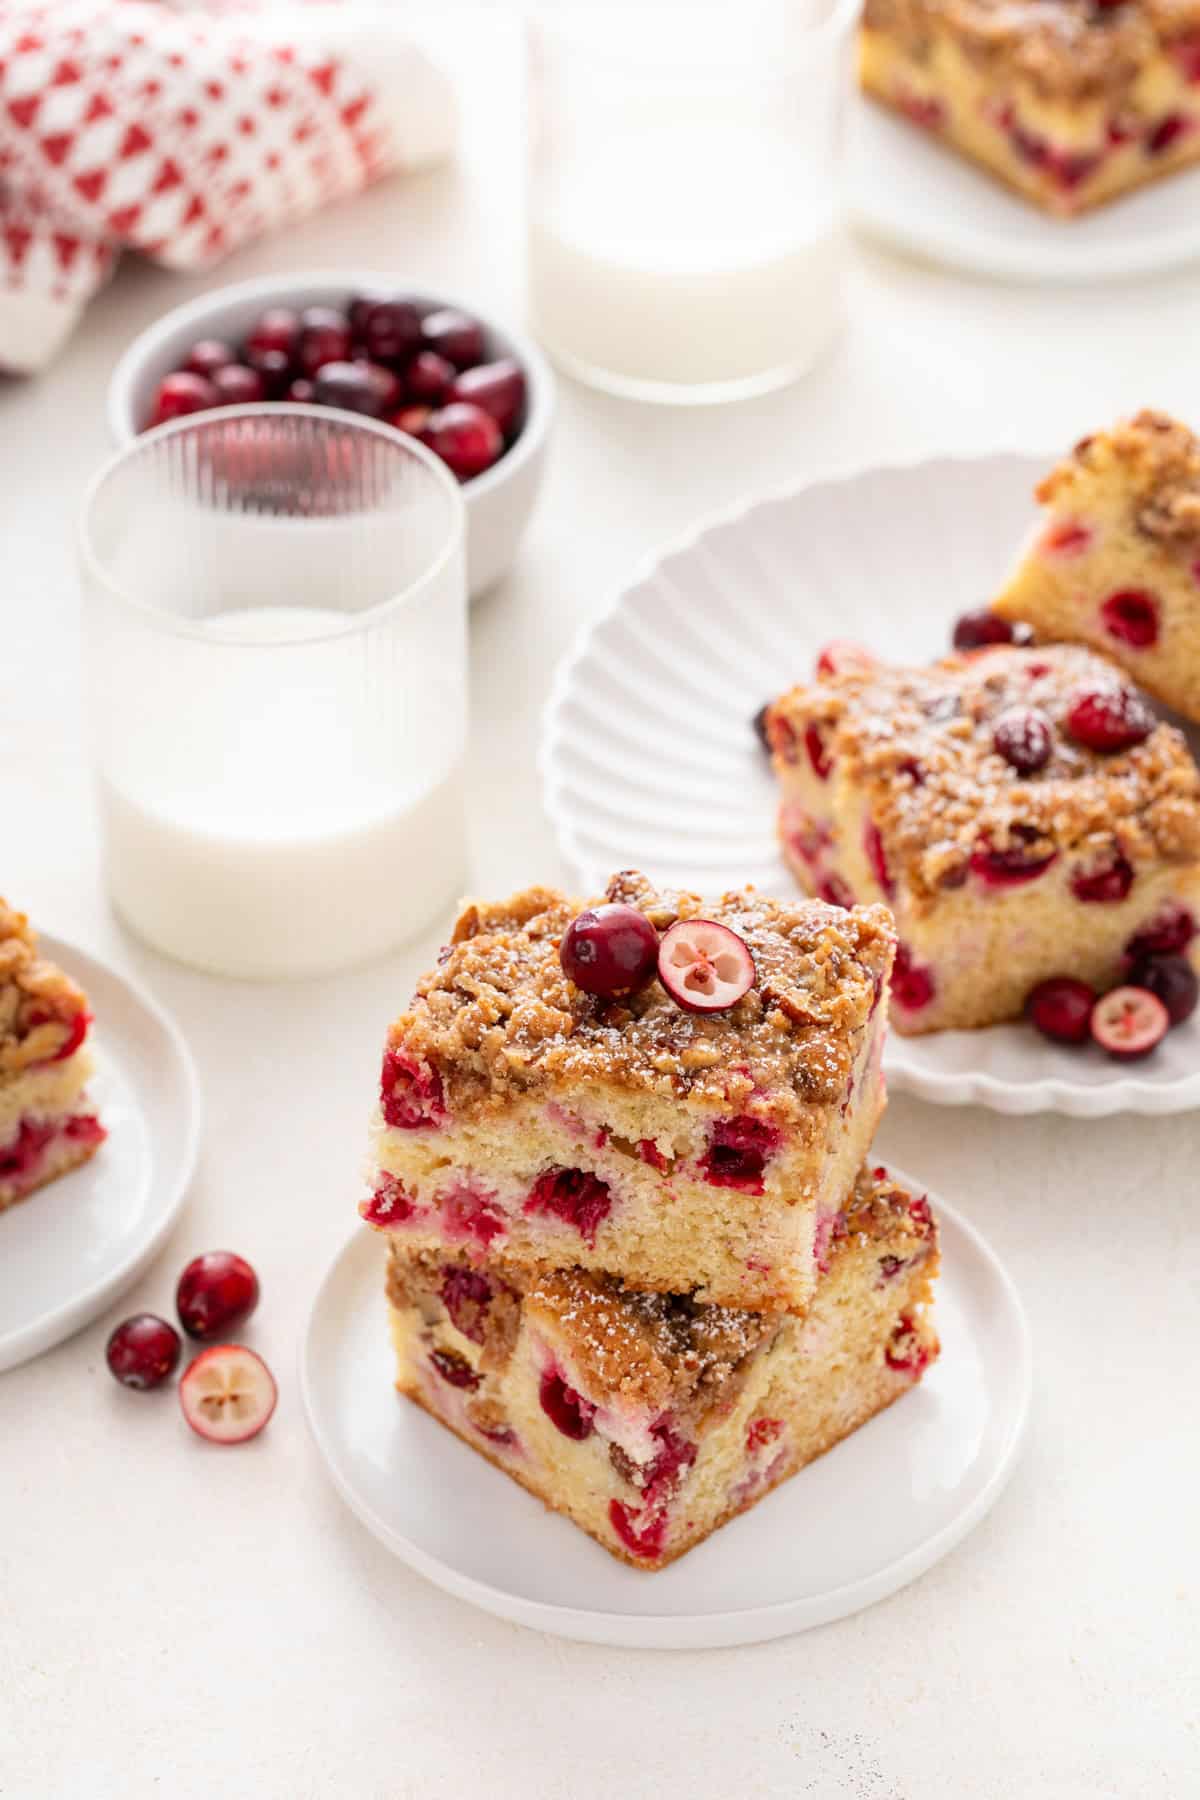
(497, 1017)
(919, 743)
(1159, 459)
(40, 1006)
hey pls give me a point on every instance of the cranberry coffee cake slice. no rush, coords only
(692, 1129)
(652, 1419)
(47, 1124)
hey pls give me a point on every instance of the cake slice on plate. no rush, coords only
(693, 1129)
(1022, 811)
(1069, 102)
(652, 1419)
(1115, 559)
(47, 1124)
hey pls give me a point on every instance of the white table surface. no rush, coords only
(181, 1622)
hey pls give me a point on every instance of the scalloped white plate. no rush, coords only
(912, 192)
(648, 759)
(76, 1245)
(820, 1547)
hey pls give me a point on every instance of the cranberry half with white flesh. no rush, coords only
(704, 966)
(228, 1394)
(841, 657)
(1129, 1022)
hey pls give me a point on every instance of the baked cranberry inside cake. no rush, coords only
(564, 1407)
(1108, 883)
(410, 1093)
(574, 1195)
(738, 1153)
(1131, 616)
(912, 985)
(642, 1532)
(454, 1368)
(389, 1204)
(466, 1295)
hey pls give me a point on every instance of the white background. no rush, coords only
(180, 1621)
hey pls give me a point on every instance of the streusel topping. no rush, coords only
(1066, 50)
(1159, 459)
(919, 742)
(498, 1017)
(38, 1003)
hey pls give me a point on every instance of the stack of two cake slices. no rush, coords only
(636, 1256)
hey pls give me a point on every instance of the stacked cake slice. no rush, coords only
(635, 1258)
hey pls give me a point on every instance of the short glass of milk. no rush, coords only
(684, 215)
(275, 634)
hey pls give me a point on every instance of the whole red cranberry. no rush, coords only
(499, 387)
(182, 393)
(1024, 737)
(348, 385)
(276, 329)
(391, 331)
(143, 1351)
(324, 338)
(609, 950)
(237, 385)
(1170, 979)
(208, 355)
(1061, 1008)
(467, 439)
(274, 367)
(428, 377)
(454, 335)
(389, 390)
(357, 310)
(216, 1292)
(976, 630)
(300, 392)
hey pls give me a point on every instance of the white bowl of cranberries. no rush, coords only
(479, 395)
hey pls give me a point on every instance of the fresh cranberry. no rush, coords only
(976, 630)
(1011, 867)
(1128, 1022)
(216, 1292)
(1110, 719)
(564, 1407)
(274, 367)
(609, 950)
(738, 1152)
(391, 330)
(276, 329)
(454, 1368)
(455, 336)
(1170, 979)
(207, 356)
(182, 393)
(237, 385)
(410, 1092)
(467, 439)
(1170, 930)
(818, 753)
(301, 391)
(1131, 616)
(1166, 133)
(1061, 1008)
(1024, 737)
(905, 1350)
(912, 985)
(877, 858)
(143, 1351)
(411, 419)
(1109, 883)
(466, 1296)
(227, 1394)
(428, 377)
(498, 387)
(389, 1205)
(704, 966)
(761, 1432)
(357, 310)
(348, 385)
(324, 338)
(574, 1195)
(1068, 538)
(642, 1536)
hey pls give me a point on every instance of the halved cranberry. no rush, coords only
(466, 1296)
(324, 338)
(428, 377)
(208, 355)
(276, 329)
(1061, 1009)
(564, 1407)
(977, 630)
(704, 966)
(877, 858)
(905, 1350)
(1109, 883)
(498, 387)
(643, 1536)
(143, 1351)
(1170, 979)
(1170, 930)
(391, 330)
(912, 985)
(1131, 616)
(1010, 867)
(609, 950)
(410, 1092)
(738, 1152)
(454, 335)
(1024, 737)
(575, 1196)
(1110, 719)
(182, 393)
(454, 1368)
(1128, 1022)
(467, 439)
(818, 754)
(1067, 538)
(389, 1204)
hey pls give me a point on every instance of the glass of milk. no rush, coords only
(275, 633)
(684, 218)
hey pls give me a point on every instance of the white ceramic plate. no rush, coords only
(818, 1548)
(648, 760)
(73, 1247)
(909, 190)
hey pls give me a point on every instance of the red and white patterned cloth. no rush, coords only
(128, 124)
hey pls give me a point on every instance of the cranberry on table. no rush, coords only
(498, 387)
(216, 1292)
(391, 330)
(428, 376)
(210, 354)
(1170, 979)
(348, 385)
(182, 393)
(609, 950)
(455, 336)
(143, 1351)
(1061, 1008)
(237, 385)
(278, 328)
(227, 1394)
(324, 338)
(467, 439)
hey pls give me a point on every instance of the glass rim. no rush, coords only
(201, 632)
(555, 23)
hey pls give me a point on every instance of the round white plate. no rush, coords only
(818, 1548)
(648, 760)
(72, 1247)
(915, 194)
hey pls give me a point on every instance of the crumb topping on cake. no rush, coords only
(498, 1017)
(919, 742)
(1067, 50)
(1157, 457)
(39, 1004)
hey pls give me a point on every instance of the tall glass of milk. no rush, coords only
(275, 633)
(684, 218)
